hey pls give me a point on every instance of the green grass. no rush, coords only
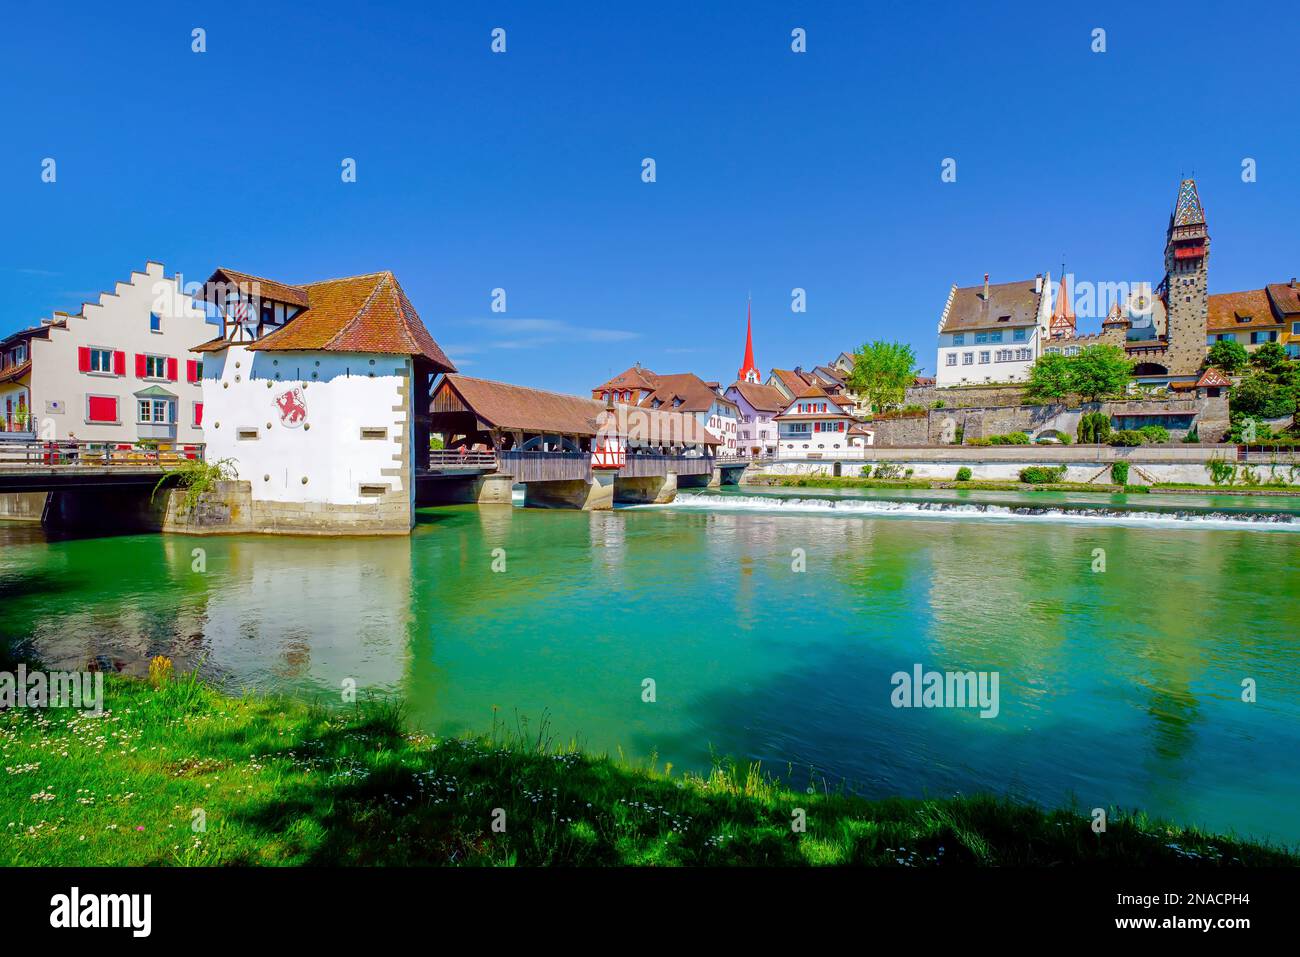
(285, 783)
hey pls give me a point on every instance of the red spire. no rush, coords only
(1063, 321)
(748, 371)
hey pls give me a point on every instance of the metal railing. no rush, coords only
(75, 452)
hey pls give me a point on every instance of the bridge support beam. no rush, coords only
(592, 496)
(492, 489)
(708, 480)
(648, 490)
(22, 506)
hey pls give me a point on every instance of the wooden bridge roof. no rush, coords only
(499, 405)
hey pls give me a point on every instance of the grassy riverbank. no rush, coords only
(278, 782)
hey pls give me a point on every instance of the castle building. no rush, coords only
(994, 332)
(319, 395)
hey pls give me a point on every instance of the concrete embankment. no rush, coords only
(1148, 464)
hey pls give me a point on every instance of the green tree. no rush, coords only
(1228, 354)
(1270, 358)
(882, 371)
(1100, 370)
(1049, 378)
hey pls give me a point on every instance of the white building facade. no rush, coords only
(814, 425)
(992, 333)
(318, 396)
(120, 372)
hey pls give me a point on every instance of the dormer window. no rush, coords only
(1004, 318)
(1243, 318)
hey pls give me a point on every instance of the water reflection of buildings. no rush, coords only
(312, 613)
(307, 612)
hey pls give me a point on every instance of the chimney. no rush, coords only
(1293, 282)
(986, 287)
(1038, 283)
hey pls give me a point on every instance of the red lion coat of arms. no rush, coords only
(293, 407)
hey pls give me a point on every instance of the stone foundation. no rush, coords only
(230, 509)
(649, 490)
(464, 490)
(596, 495)
(22, 506)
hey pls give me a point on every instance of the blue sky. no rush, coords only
(522, 170)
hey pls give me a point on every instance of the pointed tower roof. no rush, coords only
(748, 371)
(1188, 210)
(1063, 319)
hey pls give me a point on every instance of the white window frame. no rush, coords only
(94, 350)
(168, 407)
(162, 359)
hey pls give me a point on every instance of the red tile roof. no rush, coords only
(1008, 304)
(357, 314)
(761, 398)
(1285, 296)
(504, 406)
(1226, 307)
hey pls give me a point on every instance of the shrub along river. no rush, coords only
(770, 623)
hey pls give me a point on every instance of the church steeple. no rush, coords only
(748, 371)
(1063, 322)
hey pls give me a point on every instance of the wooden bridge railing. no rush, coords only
(640, 466)
(461, 459)
(70, 452)
(544, 466)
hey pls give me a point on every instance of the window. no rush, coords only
(967, 358)
(981, 337)
(1295, 328)
(952, 358)
(1053, 350)
(984, 357)
(1004, 355)
(1023, 355)
(101, 409)
(1020, 335)
(1257, 337)
(155, 322)
(155, 412)
(959, 339)
(101, 360)
(155, 367)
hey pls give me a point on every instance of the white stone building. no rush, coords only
(319, 395)
(816, 425)
(993, 333)
(120, 371)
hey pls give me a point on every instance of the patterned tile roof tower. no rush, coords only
(1185, 287)
(748, 371)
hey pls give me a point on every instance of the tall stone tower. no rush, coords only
(1187, 257)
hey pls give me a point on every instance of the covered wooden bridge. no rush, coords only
(566, 450)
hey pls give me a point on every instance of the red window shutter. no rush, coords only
(139, 365)
(817, 426)
(83, 358)
(191, 370)
(171, 369)
(101, 408)
(198, 413)
(119, 363)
